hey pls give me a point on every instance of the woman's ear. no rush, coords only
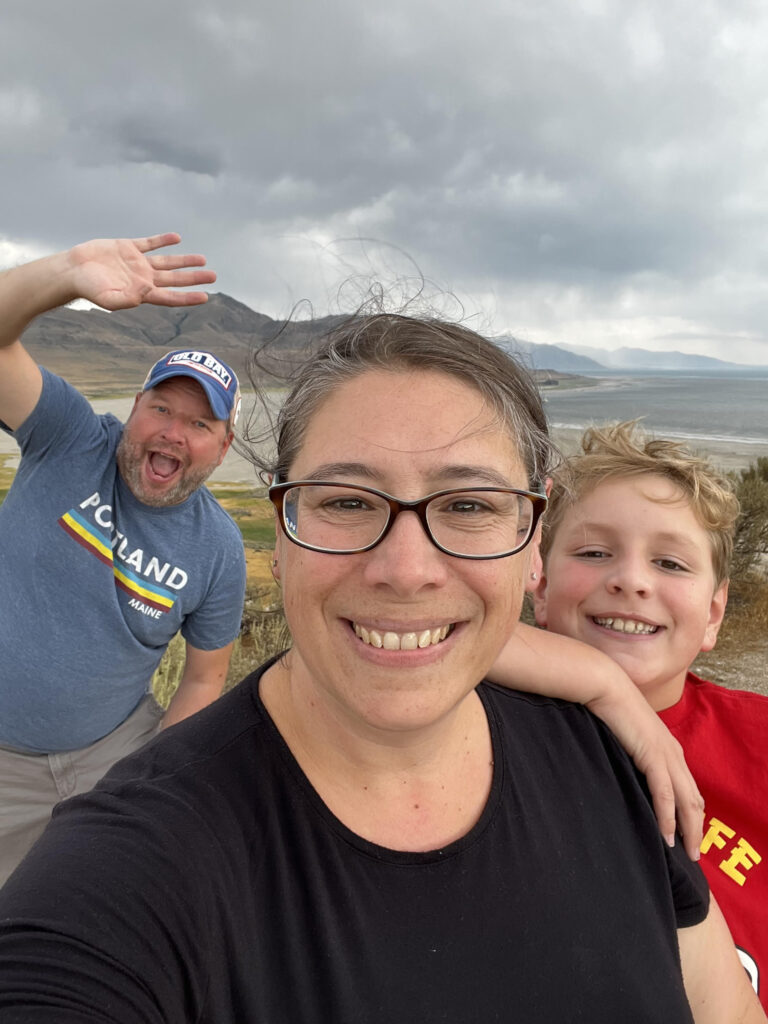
(535, 564)
(536, 584)
(277, 553)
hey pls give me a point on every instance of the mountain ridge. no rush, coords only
(641, 358)
(95, 345)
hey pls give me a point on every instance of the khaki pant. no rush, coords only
(31, 784)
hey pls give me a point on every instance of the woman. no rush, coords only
(363, 830)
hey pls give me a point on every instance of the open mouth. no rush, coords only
(631, 626)
(163, 466)
(408, 641)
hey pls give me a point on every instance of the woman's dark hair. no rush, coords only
(394, 342)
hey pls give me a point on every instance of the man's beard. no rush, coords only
(130, 458)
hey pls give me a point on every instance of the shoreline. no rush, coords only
(727, 454)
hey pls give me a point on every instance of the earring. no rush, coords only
(534, 576)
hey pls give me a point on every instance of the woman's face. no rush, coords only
(409, 434)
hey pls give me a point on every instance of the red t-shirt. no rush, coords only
(724, 734)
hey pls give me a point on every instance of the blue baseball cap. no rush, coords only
(218, 381)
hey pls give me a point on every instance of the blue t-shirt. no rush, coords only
(95, 583)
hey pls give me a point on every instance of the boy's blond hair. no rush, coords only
(625, 450)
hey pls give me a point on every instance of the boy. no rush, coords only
(635, 552)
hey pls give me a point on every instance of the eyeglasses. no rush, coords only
(345, 519)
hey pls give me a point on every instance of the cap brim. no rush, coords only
(217, 403)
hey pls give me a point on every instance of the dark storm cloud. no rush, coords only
(139, 141)
(589, 171)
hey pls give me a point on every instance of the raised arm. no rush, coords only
(112, 273)
(558, 666)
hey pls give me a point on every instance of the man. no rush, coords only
(109, 543)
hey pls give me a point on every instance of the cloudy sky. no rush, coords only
(583, 171)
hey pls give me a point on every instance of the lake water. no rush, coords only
(723, 413)
(234, 468)
(702, 408)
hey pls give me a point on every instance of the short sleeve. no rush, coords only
(61, 418)
(690, 891)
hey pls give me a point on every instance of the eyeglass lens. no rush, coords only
(343, 518)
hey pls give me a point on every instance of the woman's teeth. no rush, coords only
(402, 641)
(626, 625)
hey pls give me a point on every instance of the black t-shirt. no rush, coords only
(205, 881)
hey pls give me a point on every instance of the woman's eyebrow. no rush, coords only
(342, 471)
(470, 474)
(436, 478)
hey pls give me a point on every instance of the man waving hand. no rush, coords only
(109, 543)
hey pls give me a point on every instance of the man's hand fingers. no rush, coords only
(183, 278)
(122, 273)
(176, 261)
(171, 298)
(156, 241)
(168, 297)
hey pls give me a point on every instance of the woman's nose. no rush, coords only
(406, 559)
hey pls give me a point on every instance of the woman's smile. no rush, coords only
(426, 624)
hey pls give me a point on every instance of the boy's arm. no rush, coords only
(716, 983)
(558, 666)
(112, 273)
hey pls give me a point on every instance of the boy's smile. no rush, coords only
(630, 572)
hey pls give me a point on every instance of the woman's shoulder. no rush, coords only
(541, 724)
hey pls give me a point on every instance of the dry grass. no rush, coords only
(266, 634)
(262, 633)
(252, 511)
(740, 658)
(6, 475)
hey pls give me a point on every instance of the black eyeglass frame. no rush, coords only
(277, 493)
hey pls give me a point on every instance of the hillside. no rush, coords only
(96, 349)
(639, 359)
(548, 357)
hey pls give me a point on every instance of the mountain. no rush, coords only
(95, 349)
(92, 346)
(643, 359)
(548, 357)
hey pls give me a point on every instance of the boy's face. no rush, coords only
(630, 572)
